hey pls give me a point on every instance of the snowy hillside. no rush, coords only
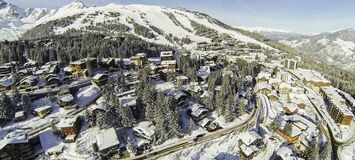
(275, 34)
(337, 48)
(14, 21)
(166, 24)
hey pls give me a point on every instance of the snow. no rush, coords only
(347, 46)
(323, 41)
(87, 94)
(48, 140)
(106, 139)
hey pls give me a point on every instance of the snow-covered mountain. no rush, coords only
(275, 34)
(336, 48)
(14, 21)
(161, 21)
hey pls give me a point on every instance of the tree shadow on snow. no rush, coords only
(226, 156)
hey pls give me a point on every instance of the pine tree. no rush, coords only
(313, 149)
(241, 109)
(150, 105)
(89, 118)
(126, 115)
(288, 129)
(191, 126)
(230, 112)
(6, 111)
(121, 81)
(26, 103)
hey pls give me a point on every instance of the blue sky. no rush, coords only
(302, 16)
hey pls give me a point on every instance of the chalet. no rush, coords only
(20, 116)
(67, 101)
(154, 69)
(290, 108)
(203, 73)
(100, 79)
(263, 88)
(30, 64)
(169, 64)
(52, 80)
(285, 88)
(28, 82)
(263, 77)
(166, 56)
(291, 64)
(24, 72)
(5, 70)
(275, 83)
(50, 146)
(130, 102)
(139, 60)
(69, 127)
(77, 67)
(312, 78)
(290, 136)
(300, 99)
(209, 124)
(5, 84)
(182, 80)
(107, 142)
(144, 130)
(49, 68)
(43, 111)
(285, 153)
(248, 144)
(15, 145)
(272, 96)
(178, 95)
(108, 63)
(197, 111)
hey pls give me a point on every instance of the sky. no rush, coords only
(301, 16)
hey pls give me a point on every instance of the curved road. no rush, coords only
(184, 143)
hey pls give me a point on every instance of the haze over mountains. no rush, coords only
(335, 48)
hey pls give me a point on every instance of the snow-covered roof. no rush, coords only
(67, 98)
(19, 114)
(48, 140)
(182, 78)
(14, 137)
(204, 72)
(98, 76)
(168, 62)
(336, 99)
(197, 109)
(6, 82)
(285, 85)
(107, 139)
(40, 109)
(261, 75)
(166, 54)
(292, 107)
(128, 101)
(310, 75)
(285, 153)
(146, 129)
(249, 137)
(67, 122)
(263, 85)
(248, 150)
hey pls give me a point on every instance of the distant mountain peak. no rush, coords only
(76, 4)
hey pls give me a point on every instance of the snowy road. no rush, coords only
(184, 143)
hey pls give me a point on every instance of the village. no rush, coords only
(55, 108)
